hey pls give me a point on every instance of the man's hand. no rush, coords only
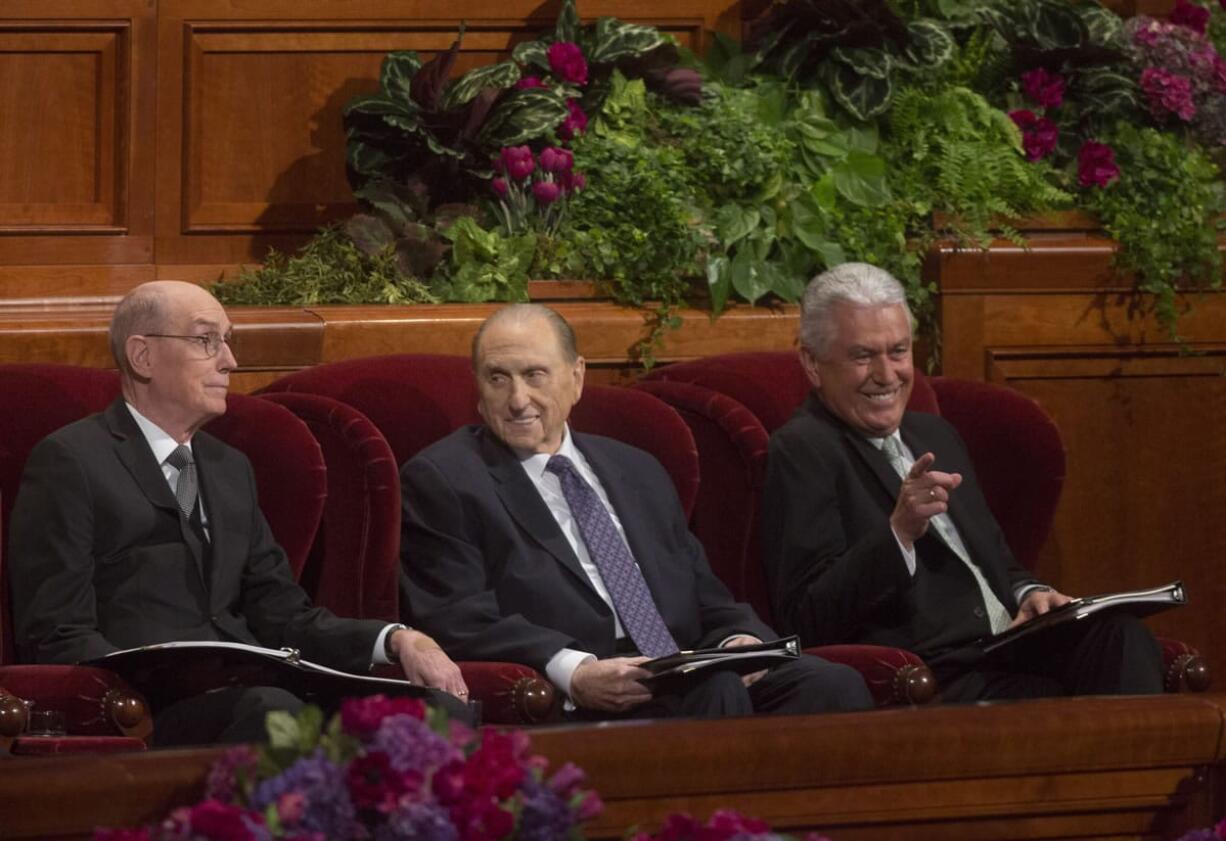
(737, 642)
(924, 494)
(611, 685)
(426, 664)
(1038, 602)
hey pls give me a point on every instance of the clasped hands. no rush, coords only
(615, 684)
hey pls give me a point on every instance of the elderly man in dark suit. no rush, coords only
(132, 527)
(876, 530)
(525, 541)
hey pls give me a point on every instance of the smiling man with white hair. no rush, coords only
(876, 530)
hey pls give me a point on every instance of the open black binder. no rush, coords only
(1136, 602)
(169, 671)
(744, 659)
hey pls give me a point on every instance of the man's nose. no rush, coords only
(519, 395)
(226, 360)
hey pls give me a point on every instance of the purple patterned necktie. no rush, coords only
(622, 577)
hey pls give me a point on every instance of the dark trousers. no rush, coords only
(806, 685)
(225, 716)
(1105, 655)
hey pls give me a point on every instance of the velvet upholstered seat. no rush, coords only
(1016, 448)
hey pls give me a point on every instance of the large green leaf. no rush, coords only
(792, 59)
(861, 179)
(787, 284)
(533, 53)
(733, 222)
(808, 223)
(396, 73)
(864, 61)
(522, 116)
(726, 61)
(1058, 26)
(931, 44)
(864, 137)
(378, 105)
(504, 74)
(614, 40)
(864, 97)
(747, 277)
(367, 160)
(1103, 26)
(719, 282)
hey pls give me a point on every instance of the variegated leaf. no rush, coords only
(864, 97)
(568, 22)
(523, 116)
(464, 89)
(378, 105)
(533, 53)
(616, 40)
(863, 61)
(396, 74)
(931, 44)
(366, 159)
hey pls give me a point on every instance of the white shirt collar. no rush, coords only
(159, 440)
(536, 463)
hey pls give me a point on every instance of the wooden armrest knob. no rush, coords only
(534, 700)
(1188, 673)
(13, 715)
(915, 685)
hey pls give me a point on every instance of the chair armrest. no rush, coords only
(13, 718)
(1185, 669)
(893, 675)
(95, 702)
(511, 693)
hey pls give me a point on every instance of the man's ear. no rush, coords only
(139, 355)
(579, 370)
(809, 362)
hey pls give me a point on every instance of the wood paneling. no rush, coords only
(1086, 768)
(1137, 412)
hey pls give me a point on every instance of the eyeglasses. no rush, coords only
(211, 342)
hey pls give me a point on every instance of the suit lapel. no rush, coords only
(875, 460)
(523, 502)
(134, 453)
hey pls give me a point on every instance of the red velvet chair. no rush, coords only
(416, 399)
(1016, 447)
(101, 711)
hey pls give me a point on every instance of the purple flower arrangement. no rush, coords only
(1217, 833)
(532, 190)
(1096, 165)
(1182, 75)
(383, 770)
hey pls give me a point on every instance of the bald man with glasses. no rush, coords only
(133, 527)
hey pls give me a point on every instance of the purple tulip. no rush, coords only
(546, 192)
(517, 162)
(572, 182)
(575, 122)
(556, 159)
(499, 186)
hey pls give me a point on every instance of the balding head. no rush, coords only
(526, 314)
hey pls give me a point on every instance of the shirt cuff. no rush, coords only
(908, 555)
(561, 667)
(378, 657)
(1021, 592)
(724, 642)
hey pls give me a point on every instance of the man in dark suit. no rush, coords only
(876, 530)
(526, 542)
(132, 527)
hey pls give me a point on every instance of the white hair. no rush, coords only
(857, 284)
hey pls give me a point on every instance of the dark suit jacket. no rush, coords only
(836, 572)
(489, 574)
(100, 558)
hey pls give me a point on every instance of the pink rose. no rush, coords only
(1190, 15)
(575, 122)
(1043, 88)
(566, 62)
(1096, 164)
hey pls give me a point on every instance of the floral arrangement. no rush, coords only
(1217, 833)
(382, 769)
(532, 190)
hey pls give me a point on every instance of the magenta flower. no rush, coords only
(517, 162)
(566, 62)
(529, 82)
(572, 182)
(1043, 88)
(1190, 15)
(499, 186)
(1168, 92)
(556, 159)
(575, 122)
(361, 717)
(1096, 164)
(546, 192)
(1039, 134)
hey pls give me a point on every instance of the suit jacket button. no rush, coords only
(980, 612)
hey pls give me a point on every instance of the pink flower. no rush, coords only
(499, 186)
(1044, 89)
(517, 162)
(546, 192)
(221, 821)
(374, 784)
(1039, 134)
(575, 122)
(361, 716)
(566, 62)
(1190, 15)
(529, 82)
(1168, 91)
(572, 182)
(291, 806)
(590, 806)
(1096, 164)
(556, 159)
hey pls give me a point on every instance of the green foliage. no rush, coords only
(954, 153)
(485, 265)
(331, 269)
(1163, 211)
